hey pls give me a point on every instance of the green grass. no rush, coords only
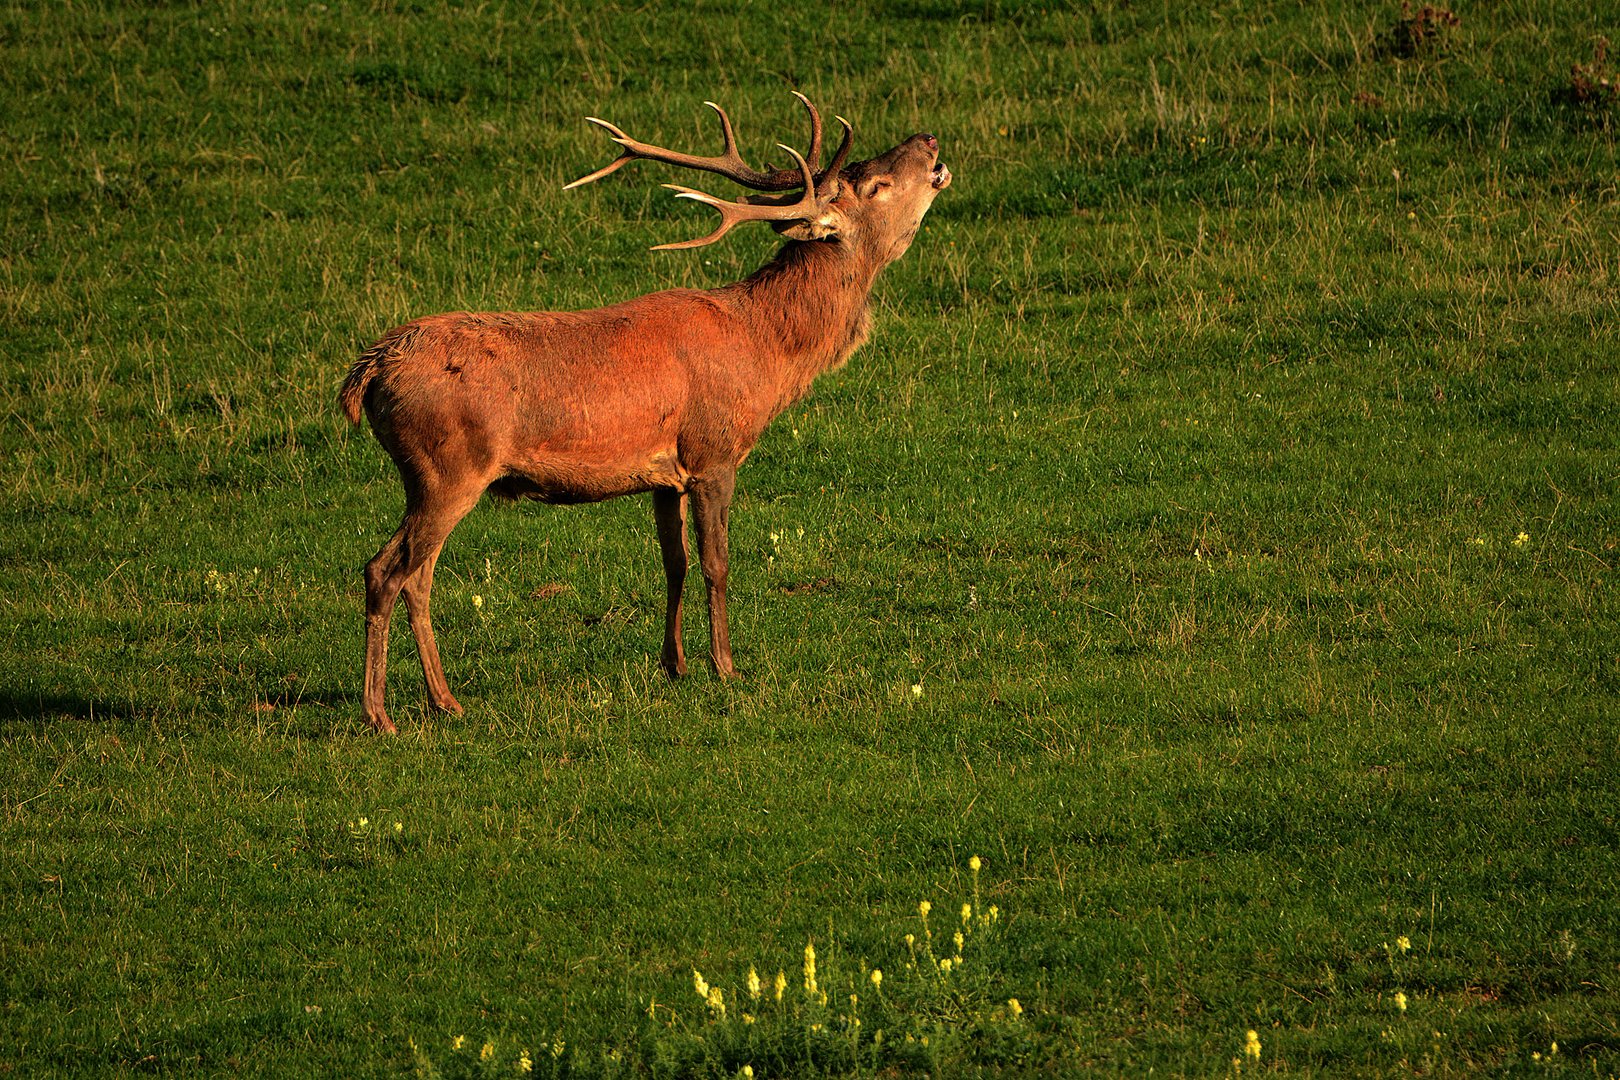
(1185, 473)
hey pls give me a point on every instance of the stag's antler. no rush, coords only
(807, 208)
(820, 188)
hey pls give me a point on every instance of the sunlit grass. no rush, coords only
(1216, 537)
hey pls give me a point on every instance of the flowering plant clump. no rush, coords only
(231, 584)
(491, 1056)
(935, 1004)
(364, 841)
(797, 558)
(915, 1012)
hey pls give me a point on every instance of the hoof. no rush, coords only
(449, 705)
(675, 670)
(381, 725)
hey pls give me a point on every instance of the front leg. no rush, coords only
(669, 506)
(711, 507)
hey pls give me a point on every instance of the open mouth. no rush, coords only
(942, 177)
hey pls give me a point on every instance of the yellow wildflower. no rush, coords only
(967, 913)
(456, 1044)
(974, 864)
(1522, 539)
(922, 909)
(1400, 1000)
(525, 1063)
(747, 1072)
(699, 985)
(958, 939)
(1251, 1045)
(753, 983)
(780, 985)
(487, 1052)
(810, 968)
(945, 966)
(1403, 943)
(1016, 1009)
(717, 1002)
(877, 978)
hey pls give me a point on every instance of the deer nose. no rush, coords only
(929, 141)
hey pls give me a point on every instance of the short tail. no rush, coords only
(353, 395)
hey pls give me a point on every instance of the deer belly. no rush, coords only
(572, 478)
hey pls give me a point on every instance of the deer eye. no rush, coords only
(877, 185)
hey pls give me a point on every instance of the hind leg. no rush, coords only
(669, 506)
(416, 591)
(429, 517)
(384, 576)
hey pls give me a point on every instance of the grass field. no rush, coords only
(1217, 538)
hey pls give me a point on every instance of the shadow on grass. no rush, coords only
(40, 707)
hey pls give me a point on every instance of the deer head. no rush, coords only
(876, 204)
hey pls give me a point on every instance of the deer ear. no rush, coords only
(873, 184)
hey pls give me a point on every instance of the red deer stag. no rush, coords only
(666, 393)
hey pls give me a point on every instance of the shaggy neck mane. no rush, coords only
(806, 310)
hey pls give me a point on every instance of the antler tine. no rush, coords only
(611, 167)
(827, 180)
(730, 150)
(807, 207)
(814, 155)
